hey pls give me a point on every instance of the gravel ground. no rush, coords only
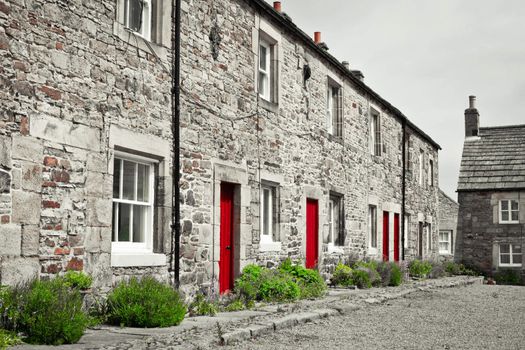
(473, 317)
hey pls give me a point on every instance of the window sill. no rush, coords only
(333, 249)
(136, 40)
(270, 246)
(372, 251)
(334, 138)
(509, 222)
(137, 259)
(445, 253)
(268, 105)
(510, 266)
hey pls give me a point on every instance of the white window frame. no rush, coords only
(372, 228)
(334, 211)
(267, 242)
(330, 109)
(375, 132)
(146, 19)
(511, 255)
(147, 245)
(428, 228)
(406, 230)
(500, 211)
(421, 158)
(448, 234)
(266, 71)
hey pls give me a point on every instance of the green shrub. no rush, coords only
(310, 282)
(79, 280)
(51, 313)
(438, 270)
(247, 285)
(420, 269)
(278, 286)
(361, 277)
(203, 307)
(511, 277)
(235, 305)
(459, 269)
(342, 276)
(384, 269)
(145, 303)
(396, 275)
(8, 338)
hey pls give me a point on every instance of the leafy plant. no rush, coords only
(396, 275)
(420, 269)
(361, 277)
(145, 303)
(76, 279)
(310, 281)
(459, 269)
(235, 305)
(438, 270)
(342, 276)
(201, 306)
(8, 338)
(511, 277)
(247, 285)
(385, 272)
(278, 286)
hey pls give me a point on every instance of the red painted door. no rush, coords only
(386, 235)
(312, 233)
(226, 237)
(396, 237)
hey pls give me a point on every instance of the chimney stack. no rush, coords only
(471, 118)
(317, 38)
(277, 6)
(346, 64)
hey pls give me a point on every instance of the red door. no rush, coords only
(396, 237)
(226, 254)
(312, 233)
(386, 235)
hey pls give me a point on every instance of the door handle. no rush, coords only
(228, 247)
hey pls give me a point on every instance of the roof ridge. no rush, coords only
(503, 126)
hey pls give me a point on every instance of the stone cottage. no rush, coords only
(448, 223)
(491, 193)
(284, 150)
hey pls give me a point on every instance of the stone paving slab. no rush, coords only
(242, 325)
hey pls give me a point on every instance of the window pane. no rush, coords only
(266, 211)
(505, 216)
(505, 259)
(262, 58)
(114, 226)
(128, 182)
(516, 258)
(504, 248)
(116, 178)
(263, 83)
(135, 15)
(514, 216)
(123, 222)
(373, 226)
(516, 249)
(514, 205)
(505, 205)
(143, 183)
(139, 222)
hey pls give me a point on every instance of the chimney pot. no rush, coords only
(472, 102)
(277, 6)
(346, 64)
(317, 37)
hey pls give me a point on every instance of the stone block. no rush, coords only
(31, 177)
(10, 238)
(26, 208)
(97, 162)
(65, 132)
(285, 322)
(98, 185)
(98, 212)
(5, 152)
(235, 336)
(18, 269)
(97, 239)
(27, 148)
(30, 240)
(99, 267)
(5, 182)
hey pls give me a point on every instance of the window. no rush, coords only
(430, 173)
(335, 221)
(375, 133)
(334, 109)
(408, 155)
(429, 237)
(133, 193)
(445, 242)
(420, 240)
(406, 230)
(269, 218)
(509, 211)
(372, 225)
(137, 17)
(510, 255)
(265, 70)
(421, 168)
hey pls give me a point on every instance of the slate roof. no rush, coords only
(495, 160)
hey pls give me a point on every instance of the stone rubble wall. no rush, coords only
(448, 220)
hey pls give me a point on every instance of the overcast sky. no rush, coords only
(427, 57)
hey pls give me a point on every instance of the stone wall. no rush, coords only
(480, 233)
(448, 221)
(68, 80)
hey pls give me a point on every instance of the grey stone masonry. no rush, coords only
(79, 90)
(448, 223)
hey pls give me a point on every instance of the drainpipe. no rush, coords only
(403, 192)
(175, 124)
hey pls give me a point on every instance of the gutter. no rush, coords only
(269, 10)
(175, 125)
(403, 192)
